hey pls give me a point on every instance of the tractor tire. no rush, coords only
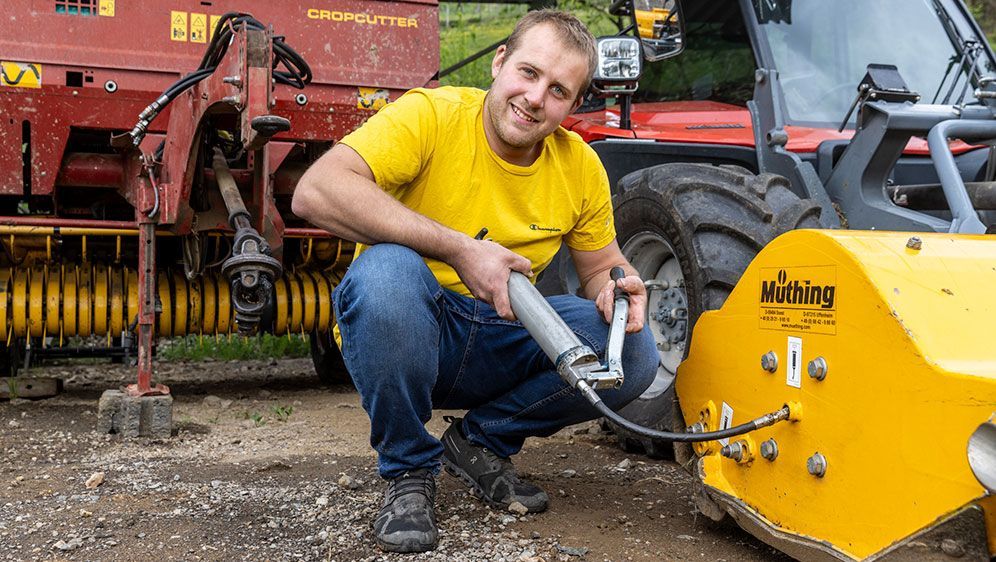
(698, 227)
(329, 365)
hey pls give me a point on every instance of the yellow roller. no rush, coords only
(295, 305)
(85, 315)
(19, 304)
(53, 298)
(309, 290)
(36, 302)
(69, 327)
(324, 301)
(224, 319)
(4, 297)
(100, 299)
(131, 280)
(180, 305)
(280, 317)
(117, 302)
(210, 295)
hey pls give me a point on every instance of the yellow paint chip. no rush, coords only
(371, 98)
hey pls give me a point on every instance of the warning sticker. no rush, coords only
(20, 74)
(214, 24)
(726, 421)
(371, 98)
(106, 8)
(178, 26)
(798, 299)
(198, 28)
(793, 371)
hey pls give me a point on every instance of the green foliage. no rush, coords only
(257, 418)
(282, 413)
(200, 348)
(984, 12)
(465, 29)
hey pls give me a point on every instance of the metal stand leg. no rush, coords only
(146, 312)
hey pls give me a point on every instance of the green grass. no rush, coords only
(465, 29)
(199, 348)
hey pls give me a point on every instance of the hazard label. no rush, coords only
(178, 26)
(198, 28)
(20, 74)
(726, 421)
(214, 24)
(106, 8)
(793, 371)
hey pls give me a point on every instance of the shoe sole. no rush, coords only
(475, 489)
(405, 547)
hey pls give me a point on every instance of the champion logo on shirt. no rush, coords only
(534, 226)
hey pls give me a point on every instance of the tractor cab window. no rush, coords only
(821, 50)
(717, 63)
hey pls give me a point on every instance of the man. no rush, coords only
(424, 313)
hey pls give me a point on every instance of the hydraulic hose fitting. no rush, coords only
(741, 450)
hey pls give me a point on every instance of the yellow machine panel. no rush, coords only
(886, 342)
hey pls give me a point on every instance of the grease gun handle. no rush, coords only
(617, 273)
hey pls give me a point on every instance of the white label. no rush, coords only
(793, 371)
(726, 421)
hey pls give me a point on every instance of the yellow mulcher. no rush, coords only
(863, 361)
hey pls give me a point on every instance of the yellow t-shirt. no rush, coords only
(428, 150)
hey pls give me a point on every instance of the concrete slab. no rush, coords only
(135, 416)
(29, 387)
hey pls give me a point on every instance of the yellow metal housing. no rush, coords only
(909, 372)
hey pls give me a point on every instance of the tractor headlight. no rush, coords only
(982, 455)
(619, 60)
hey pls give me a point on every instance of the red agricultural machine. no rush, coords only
(149, 153)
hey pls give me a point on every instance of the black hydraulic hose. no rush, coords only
(297, 74)
(763, 421)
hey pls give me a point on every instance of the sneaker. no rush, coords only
(490, 477)
(407, 520)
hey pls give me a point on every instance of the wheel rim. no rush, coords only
(654, 259)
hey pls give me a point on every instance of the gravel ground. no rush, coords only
(267, 465)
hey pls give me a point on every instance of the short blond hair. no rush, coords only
(571, 31)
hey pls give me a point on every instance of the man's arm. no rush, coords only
(593, 271)
(338, 193)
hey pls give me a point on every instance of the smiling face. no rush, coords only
(535, 87)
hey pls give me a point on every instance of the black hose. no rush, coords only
(734, 431)
(297, 73)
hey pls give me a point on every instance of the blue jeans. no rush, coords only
(412, 346)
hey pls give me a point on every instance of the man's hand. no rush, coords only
(637, 292)
(484, 267)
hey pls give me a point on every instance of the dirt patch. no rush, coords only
(266, 465)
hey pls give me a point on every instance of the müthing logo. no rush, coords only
(804, 292)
